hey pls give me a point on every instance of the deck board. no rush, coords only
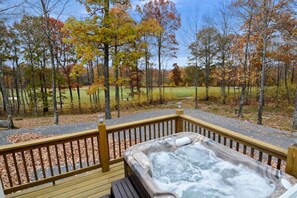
(91, 184)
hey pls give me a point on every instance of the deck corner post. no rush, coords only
(291, 167)
(103, 147)
(179, 121)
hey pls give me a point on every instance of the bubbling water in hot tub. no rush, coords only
(194, 170)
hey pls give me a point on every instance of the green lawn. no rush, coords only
(170, 92)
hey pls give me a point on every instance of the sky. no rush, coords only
(188, 9)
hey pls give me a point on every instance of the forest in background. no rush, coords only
(249, 46)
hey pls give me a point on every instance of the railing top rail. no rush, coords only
(134, 124)
(43, 141)
(257, 144)
(59, 138)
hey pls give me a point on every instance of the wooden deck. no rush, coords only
(91, 184)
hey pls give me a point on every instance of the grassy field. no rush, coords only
(277, 112)
(170, 93)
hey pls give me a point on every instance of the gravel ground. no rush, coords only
(273, 136)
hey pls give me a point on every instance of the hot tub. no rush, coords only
(190, 165)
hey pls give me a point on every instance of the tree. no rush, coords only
(295, 114)
(176, 73)
(169, 19)
(31, 39)
(224, 44)
(48, 31)
(193, 47)
(94, 38)
(264, 25)
(4, 55)
(205, 49)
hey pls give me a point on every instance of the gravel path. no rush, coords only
(273, 136)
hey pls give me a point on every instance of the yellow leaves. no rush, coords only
(77, 70)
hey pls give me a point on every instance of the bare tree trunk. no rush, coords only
(223, 82)
(21, 88)
(160, 72)
(286, 81)
(16, 77)
(33, 86)
(146, 74)
(117, 90)
(5, 99)
(78, 91)
(48, 33)
(207, 65)
(278, 75)
(60, 95)
(196, 84)
(243, 88)
(262, 78)
(106, 68)
(293, 75)
(295, 114)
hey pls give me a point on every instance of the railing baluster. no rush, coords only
(167, 127)
(159, 130)
(93, 150)
(208, 134)
(219, 139)
(79, 153)
(199, 130)
(72, 156)
(279, 162)
(113, 145)
(41, 162)
(25, 167)
(252, 152)
(155, 133)
(98, 147)
(86, 150)
(33, 164)
(49, 160)
(7, 170)
(231, 143)
(237, 146)
(119, 144)
(65, 156)
(58, 159)
(140, 134)
(269, 160)
(225, 141)
(16, 168)
(244, 149)
(125, 142)
(150, 131)
(130, 138)
(213, 136)
(135, 137)
(145, 132)
(260, 156)
(204, 132)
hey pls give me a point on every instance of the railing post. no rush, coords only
(179, 122)
(103, 147)
(291, 164)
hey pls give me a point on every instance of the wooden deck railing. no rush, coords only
(264, 152)
(37, 162)
(33, 163)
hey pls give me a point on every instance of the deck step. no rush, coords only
(123, 189)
